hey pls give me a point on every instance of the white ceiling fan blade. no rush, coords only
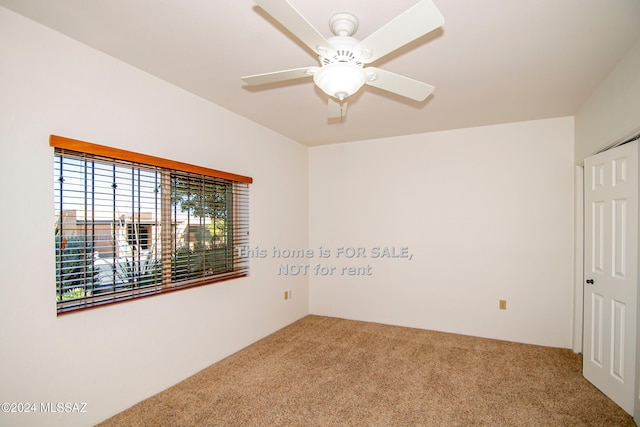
(279, 76)
(336, 109)
(417, 21)
(283, 12)
(401, 85)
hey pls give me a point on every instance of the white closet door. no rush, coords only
(610, 272)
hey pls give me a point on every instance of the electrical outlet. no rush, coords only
(503, 304)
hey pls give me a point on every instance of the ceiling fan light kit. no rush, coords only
(342, 58)
(340, 79)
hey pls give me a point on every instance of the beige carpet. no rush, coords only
(324, 371)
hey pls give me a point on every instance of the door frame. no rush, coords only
(578, 276)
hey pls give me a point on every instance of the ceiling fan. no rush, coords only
(342, 70)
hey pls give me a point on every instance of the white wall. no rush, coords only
(486, 212)
(612, 113)
(115, 356)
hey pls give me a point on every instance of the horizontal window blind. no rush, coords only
(125, 229)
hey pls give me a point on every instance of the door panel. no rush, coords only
(597, 242)
(610, 270)
(619, 244)
(597, 323)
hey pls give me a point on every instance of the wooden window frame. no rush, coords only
(234, 207)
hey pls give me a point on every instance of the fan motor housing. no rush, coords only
(341, 51)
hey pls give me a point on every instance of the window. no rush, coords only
(129, 225)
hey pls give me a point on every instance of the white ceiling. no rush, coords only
(493, 61)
